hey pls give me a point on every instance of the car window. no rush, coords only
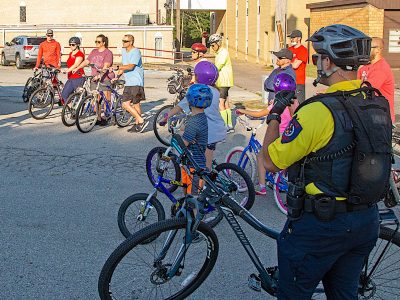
(13, 41)
(35, 40)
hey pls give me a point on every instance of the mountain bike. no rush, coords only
(245, 157)
(177, 85)
(41, 101)
(138, 208)
(33, 83)
(185, 250)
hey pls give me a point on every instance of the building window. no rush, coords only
(22, 12)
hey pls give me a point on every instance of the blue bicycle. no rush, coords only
(245, 157)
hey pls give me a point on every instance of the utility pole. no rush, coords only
(280, 24)
(178, 25)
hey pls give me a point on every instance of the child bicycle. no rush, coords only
(184, 251)
(245, 157)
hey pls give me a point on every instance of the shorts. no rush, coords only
(223, 92)
(212, 146)
(134, 94)
(93, 85)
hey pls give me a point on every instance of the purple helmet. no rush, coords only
(206, 73)
(284, 82)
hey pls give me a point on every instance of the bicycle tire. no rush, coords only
(122, 117)
(248, 164)
(162, 135)
(26, 87)
(280, 190)
(68, 113)
(172, 172)
(43, 100)
(86, 114)
(35, 84)
(124, 216)
(131, 251)
(377, 284)
(243, 185)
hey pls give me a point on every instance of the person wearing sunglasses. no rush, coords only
(75, 58)
(332, 225)
(198, 52)
(49, 51)
(102, 58)
(133, 94)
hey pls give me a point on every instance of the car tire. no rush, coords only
(4, 62)
(18, 62)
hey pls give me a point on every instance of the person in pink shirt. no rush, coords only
(379, 74)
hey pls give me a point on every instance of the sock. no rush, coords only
(224, 116)
(229, 117)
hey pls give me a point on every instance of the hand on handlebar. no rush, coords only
(164, 121)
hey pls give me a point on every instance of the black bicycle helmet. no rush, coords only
(75, 40)
(344, 45)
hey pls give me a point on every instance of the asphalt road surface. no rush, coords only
(60, 191)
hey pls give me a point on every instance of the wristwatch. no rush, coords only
(271, 117)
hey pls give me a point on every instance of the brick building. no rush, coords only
(86, 19)
(378, 18)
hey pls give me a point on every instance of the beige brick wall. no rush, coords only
(252, 31)
(241, 29)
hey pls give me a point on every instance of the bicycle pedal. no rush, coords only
(254, 282)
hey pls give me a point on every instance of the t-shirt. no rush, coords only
(380, 76)
(99, 59)
(196, 133)
(310, 129)
(134, 77)
(50, 52)
(224, 66)
(285, 118)
(70, 62)
(301, 53)
(270, 79)
(216, 125)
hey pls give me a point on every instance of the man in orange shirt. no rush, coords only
(379, 74)
(299, 62)
(50, 51)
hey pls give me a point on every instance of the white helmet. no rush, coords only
(215, 38)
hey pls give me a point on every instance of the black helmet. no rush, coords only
(75, 40)
(345, 45)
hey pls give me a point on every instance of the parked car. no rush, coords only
(22, 50)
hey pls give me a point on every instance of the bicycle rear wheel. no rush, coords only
(380, 278)
(280, 189)
(41, 103)
(86, 115)
(248, 162)
(139, 271)
(133, 214)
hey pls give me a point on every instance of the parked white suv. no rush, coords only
(22, 50)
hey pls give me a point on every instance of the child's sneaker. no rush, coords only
(260, 190)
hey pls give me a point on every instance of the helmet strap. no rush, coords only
(323, 73)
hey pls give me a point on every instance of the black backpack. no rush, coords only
(372, 148)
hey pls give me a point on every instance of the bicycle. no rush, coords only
(245, 157)
(68, 113)
(177, 85)
(186, 249)
(42, 100)
(231, 178)
(87, 111)
(33, 83)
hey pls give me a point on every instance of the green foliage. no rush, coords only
(194, 23)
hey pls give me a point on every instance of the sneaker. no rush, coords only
(230, 129)
(103, 122)
(260, 190)
(142, 126)
(133, 128)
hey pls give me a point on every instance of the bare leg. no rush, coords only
(131, 109)
(209, 158)
(261, 171)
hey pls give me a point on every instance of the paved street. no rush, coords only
(60, 191)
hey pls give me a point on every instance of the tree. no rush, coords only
(195, 23)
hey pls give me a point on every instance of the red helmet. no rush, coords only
(199, 47)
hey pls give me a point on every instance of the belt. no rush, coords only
(341, 206)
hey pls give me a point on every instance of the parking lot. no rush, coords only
(60, 192)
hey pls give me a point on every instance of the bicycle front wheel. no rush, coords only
(171, 169)
(68, 113)
(86, 115)
(380, 278)
(41, 103)
(162, 132)
(143, 271)
(134, 214)
(280, 190)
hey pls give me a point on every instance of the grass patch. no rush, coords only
(311, 71)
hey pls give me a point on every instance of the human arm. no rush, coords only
(83, 64)
(296, 63)
(78, 61)
(58, 55)
(254, 113)
(39, 56)
(301, 57)
(176, 110)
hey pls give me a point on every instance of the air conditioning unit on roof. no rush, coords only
(139, 20)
